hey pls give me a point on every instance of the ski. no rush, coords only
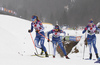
(35, 55)
(98, 61)
(39, 55)
(89, 59)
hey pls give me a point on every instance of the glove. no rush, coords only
(64, 39)
(88, 31)
(37, 31)
(29, 31)
(48, 40)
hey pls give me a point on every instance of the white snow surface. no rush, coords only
(16, 45)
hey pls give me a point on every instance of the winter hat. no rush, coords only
(56, 26)
(91, 21)
(34, 17)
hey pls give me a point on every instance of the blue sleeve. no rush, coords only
(49, 33)
(97, 28)
(63, 32)
(31, 27)
(85, 30)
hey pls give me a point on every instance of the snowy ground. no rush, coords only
(16, 46)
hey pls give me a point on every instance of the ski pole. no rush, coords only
(44, 36)
(33, 43)
(84, 47)
(49, 47)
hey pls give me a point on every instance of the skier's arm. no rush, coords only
(41, 26)
(49, 33)
(63, 32)
(97, 29)
(85, 29)
(31, 27)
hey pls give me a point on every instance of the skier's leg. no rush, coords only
(36, 41)
(42, 44)
(90, 47)
(42, 39)
(43, 47)
(54, 48)
(94, 46)
(62, 48)
(41, 51)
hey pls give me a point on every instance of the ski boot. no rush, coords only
(90, 56)
(67, 57)
(41, 51)
(46, 54)
(97, 56)
(53, 56)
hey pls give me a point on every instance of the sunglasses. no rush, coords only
(56, 29)
(32, 19)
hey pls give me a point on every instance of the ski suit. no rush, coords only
(39, 26)
(91, 37)
(56, 39)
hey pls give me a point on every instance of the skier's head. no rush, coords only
(35, 18)
(56, 28)
(91, 22)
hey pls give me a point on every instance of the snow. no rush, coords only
(16, 45)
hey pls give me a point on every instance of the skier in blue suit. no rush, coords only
(56, 39)
(91, 37)
(39, 30)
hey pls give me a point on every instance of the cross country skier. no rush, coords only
(91, 38)
(36, 23)
(56, 39)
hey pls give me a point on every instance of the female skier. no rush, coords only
(56, 39)
(91, 38)
(36, 23)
